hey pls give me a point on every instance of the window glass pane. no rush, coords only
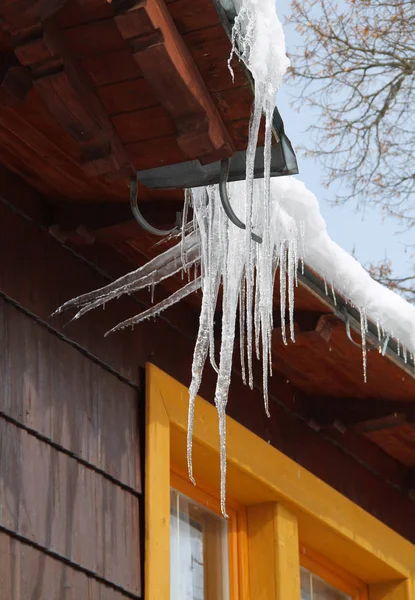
(314, 588)
(198, 551)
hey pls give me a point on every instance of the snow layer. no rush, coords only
(337, 267)
(394, 314)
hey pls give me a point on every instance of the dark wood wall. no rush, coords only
(70, 436)
(71, 420)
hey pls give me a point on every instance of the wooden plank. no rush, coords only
(217, 76)
(169, 69)
(15, 80)
(15, 163)
(148, 155)
(287, 571)
(211, 43)
(67, 91)
(191, 16)
(27, 13)
(398, 442)
(274, 567)
(28, 162)
(93, 39)
(126, 96)
(239, 130)
(77, 405)
(26, 572)
(79, 12)
(143, 125)
(67, 170)
(111, 67)
(352, 411)
(43, 256)
(51, 500)
(34, 125)
(234, 104)
(157, 498)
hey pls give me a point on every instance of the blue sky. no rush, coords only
(371, 236)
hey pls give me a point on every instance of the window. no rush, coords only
(206, 551)
(322, 579)
(199, 563)
(314, 588)
(275, 503)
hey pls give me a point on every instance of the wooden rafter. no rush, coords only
(108, 222)
(65, 88)
(360, 414)
(174, 78)
(15, 80)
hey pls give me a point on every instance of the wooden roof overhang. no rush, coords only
(92, 92)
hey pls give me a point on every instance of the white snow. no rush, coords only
(287, 217)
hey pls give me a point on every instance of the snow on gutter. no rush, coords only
(354, 290)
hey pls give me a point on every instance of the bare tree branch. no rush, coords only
(357, 68)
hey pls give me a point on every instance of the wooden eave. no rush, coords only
(91, 92)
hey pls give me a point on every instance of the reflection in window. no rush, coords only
(314, 588)
(198, 551)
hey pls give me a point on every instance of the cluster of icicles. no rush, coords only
(216, 255)
(226, 256)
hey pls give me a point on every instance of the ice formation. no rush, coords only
(286, 216)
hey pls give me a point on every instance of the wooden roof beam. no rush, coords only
(15, 80)
(360, 415)
(64, 86)
(108, 222)
(174, 78)
(24, 13)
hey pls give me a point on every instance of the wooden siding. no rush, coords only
(70, 465)
(26, 572)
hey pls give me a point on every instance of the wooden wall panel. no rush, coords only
(51, 500)
(26, 572)
(51, 388)
(38, 273)
(111, 67)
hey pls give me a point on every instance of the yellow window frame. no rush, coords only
(285, 503)
(333, 574)
(237, 534)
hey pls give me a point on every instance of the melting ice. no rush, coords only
(286, 216)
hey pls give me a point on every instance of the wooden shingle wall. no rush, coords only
(70, 441)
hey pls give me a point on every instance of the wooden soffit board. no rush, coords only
(101, 89)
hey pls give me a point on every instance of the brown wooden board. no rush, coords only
(24, 279)
(51, 500)
(126, 96)
(78, 12)
(144, 154)
(94, 39)
(26, 572)
(189, 15)
(145, 124)
(399, 442)
(111, 67)
(78, 405)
